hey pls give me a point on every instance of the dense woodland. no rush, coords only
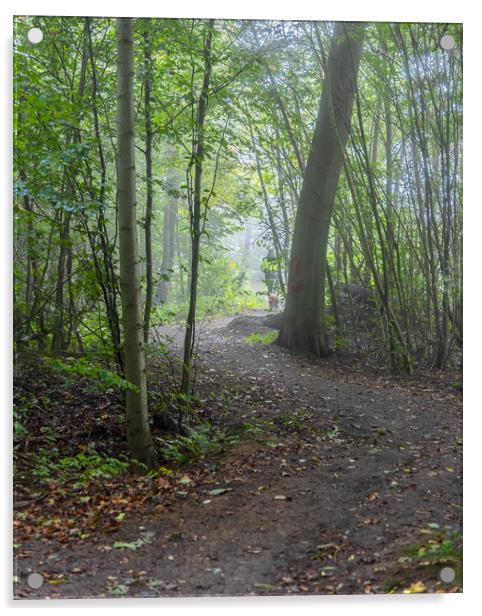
(172, 173)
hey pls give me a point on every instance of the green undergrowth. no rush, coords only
(421, 563)
(256, 338)
(100, 378)
(76, 470)
(203, 440)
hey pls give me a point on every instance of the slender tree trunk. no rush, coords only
(59, 338)
(334, 303)
(293, 139)
(283, 206)
(245, 255)
(181, 269)
(138, 434)
(195, 211)
(149, 185)
(168, 232)
(272, 222)
(102, 251)
(32, 286)
(303, 325)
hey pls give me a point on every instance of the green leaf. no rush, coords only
(218, 491)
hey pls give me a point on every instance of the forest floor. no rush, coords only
(331, 478)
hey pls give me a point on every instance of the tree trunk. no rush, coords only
(168, 231)
(59, 338)
(271, 220)
(102, 251)
(138, 434)
(195, 211)
(149, 186)
(303, 325)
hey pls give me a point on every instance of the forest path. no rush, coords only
(334, 475)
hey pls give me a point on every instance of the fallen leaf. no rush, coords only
(416, 587)
(264, 586)
(218, 491)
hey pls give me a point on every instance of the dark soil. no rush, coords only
(336, 474)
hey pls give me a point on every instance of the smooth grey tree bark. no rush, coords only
(303, 325)
(138, 433)
(168, 231)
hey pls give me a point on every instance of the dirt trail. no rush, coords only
(336, 475)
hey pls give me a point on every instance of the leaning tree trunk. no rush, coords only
(138, 434)
(303, 325)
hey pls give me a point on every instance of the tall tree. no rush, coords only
(138, 434)
(303, 325)
(397, 222)
(60, 340)
(195, 203)
(149, 185)
(168, 231)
